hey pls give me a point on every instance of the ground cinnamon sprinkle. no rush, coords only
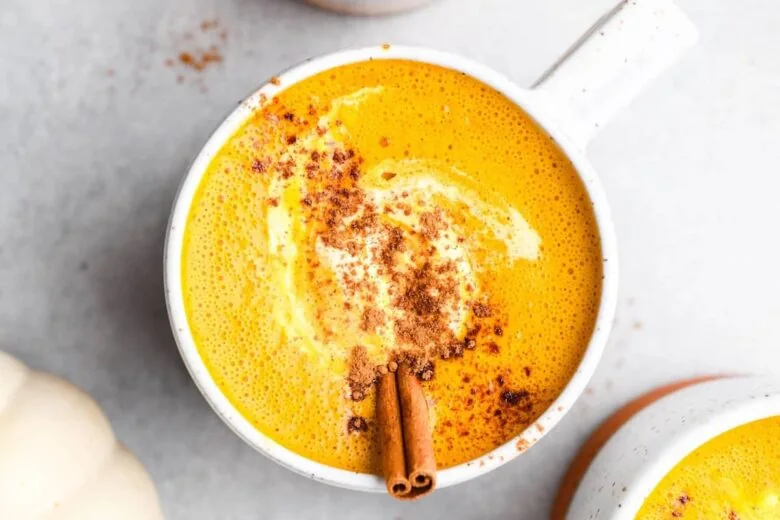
(481, 310)
(432, 224)
(373, 318)
(361, 372)
(259, 166)
(424, 286)
(427, 372)
(357, 424)
(515, 397)
(423, 328)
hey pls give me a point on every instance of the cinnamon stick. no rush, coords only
(391, 438)
(418, 440)
(405, 436)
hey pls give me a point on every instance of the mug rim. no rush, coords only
(528, 101)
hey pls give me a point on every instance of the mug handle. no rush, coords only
(606, 68)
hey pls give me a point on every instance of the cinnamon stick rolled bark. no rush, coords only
(391, 437)
(418, 439)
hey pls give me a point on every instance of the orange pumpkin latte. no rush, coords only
(390, 211)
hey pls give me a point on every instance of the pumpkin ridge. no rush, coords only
(10, 366)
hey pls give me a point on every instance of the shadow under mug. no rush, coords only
(602, 72)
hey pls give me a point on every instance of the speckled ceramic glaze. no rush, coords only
(657, 432)
(600, 74)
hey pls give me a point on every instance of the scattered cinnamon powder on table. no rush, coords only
(202, 50)
(199, 60)
(206, 25)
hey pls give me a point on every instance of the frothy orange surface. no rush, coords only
(276, 335)
(735, 476)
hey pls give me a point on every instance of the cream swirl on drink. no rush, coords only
(363, 289)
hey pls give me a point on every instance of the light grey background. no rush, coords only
(89, 163)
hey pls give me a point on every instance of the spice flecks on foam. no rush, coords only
(294, 207)
(389, 255)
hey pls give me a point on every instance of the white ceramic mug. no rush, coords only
(600, 74)
(648, 446)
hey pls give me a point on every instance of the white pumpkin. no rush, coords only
(59, 459)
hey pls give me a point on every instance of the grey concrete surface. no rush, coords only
(95, 134)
